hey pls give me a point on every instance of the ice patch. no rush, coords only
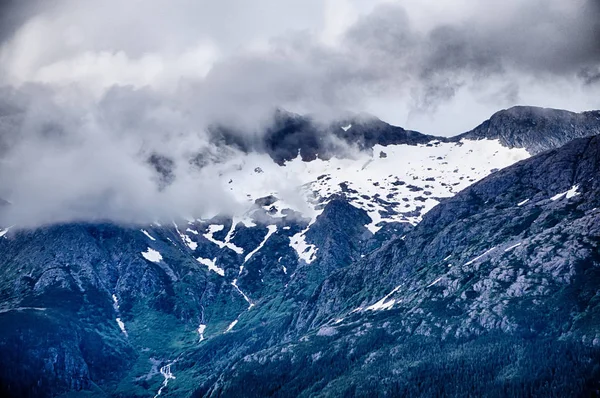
(522, 203)
(152, 255)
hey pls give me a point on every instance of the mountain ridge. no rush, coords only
(214, 301)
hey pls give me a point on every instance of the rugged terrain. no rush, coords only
(403, 264)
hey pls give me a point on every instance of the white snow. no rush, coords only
(165, 371)
(522, 203)
(447, 258)
(121, 326)
(201, 330)
(568, 194)
(250, 303)
(435, 281)
(192, 231)
(4, 231)
(217, 228)
(572, 192)
(211, 264)
(115, 302)
(284, 269)
(384, 304)
(271, 229)
(512, 247)
(306, 252)
(480, 256)
(435, 171)
(348, 127)
(152, 255)
(186, 239)
(231, 326)
(147, 234)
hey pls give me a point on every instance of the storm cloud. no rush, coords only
(92, 90)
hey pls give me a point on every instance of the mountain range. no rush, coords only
(400, 264)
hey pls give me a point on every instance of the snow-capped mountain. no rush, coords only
(339, 227)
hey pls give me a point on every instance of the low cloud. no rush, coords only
(91, 94)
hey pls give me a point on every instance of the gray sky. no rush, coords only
(100, 85)
(437, 66)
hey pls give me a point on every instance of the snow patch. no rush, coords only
(165, 371)
(147, 234)
(568, 194)
(512, 247)
(231, 326)
(186, 239)
(306, 251)
(435, 281)
(211, 264)
(271, 230)
(152, 255)
(217, 228)
(250, 303)
(115, 302)
(201, 330)
(122, 326)
(522, 203)
(480, 256)
(384, 304)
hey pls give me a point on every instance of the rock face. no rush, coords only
(536, 129)
(291, 135)
(504, 273)
(452, 299)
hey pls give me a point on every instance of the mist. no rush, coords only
(92, 90)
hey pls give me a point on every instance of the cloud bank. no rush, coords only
(92, 90)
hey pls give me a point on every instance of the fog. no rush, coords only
(91, 90)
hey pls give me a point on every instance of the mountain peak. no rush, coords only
(536, 129)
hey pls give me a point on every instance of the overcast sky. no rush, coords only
(102, 85)
(438, 66)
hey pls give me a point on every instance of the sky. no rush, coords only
(102, 82)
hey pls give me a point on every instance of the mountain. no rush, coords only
(536, 129)
(406, 264)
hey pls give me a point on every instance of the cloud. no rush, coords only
(90, 94)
